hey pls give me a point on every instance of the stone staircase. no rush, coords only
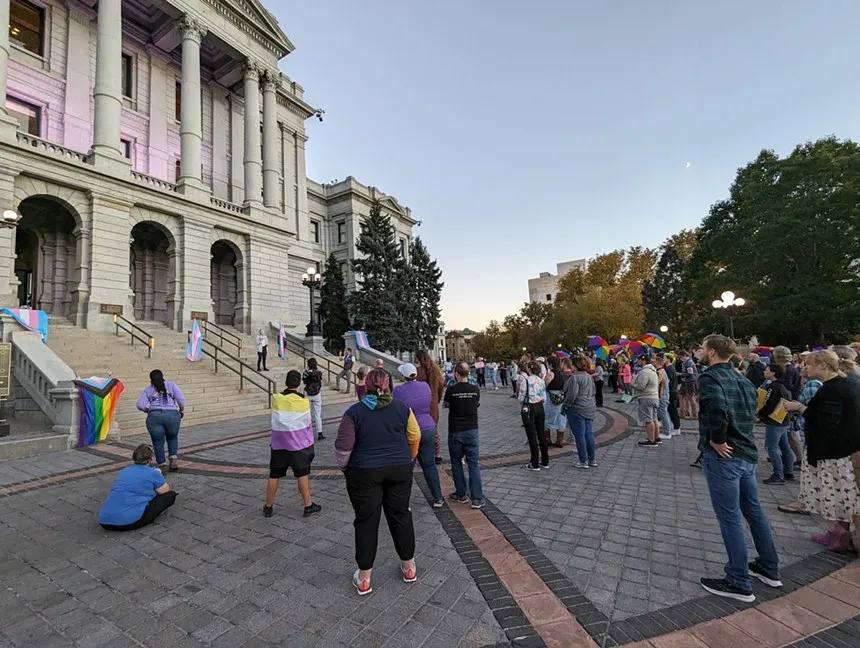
(210, 397)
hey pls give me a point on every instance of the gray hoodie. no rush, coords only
(647, 383)
(579, 395)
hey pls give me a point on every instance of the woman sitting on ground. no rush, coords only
(138, 495)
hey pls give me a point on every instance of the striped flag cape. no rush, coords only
(32, 320)
(361, 341)
(194, 350)
(282, 343)
(291, 422)
(99, 397)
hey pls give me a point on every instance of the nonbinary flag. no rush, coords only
(194, 350)
(282, 343)
(32, 320)
(361, 340)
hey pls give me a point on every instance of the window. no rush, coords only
(549, 297)
(127, 76)
(403, 248)
(125, 147)
(27, 26)
(341, 232)
(315, 231)
(344, 271)
(177, 109)
(178, 172)
(29, 116)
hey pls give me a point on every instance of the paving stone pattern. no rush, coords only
(55, 463)
(637, 533)
(214, 572)
(844, 635)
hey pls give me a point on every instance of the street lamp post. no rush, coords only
(312, 279)
(728, 301)
(10, 219)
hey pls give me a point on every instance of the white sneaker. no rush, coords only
(676, 433)
(665, 436)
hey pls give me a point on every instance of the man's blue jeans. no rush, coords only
(779, 450)
(665, 419)
(734, 492)
(161, 425)
(582, 430)
(460, 444)
(427, 461)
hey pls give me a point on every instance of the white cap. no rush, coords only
(407, 370)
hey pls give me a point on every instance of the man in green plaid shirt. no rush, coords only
(727, 415)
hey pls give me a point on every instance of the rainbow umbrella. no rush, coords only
(562, 354)
(635, 348)
(595, 341)
(761, 349)
(602, 352)
(653, 340)
(616, 348)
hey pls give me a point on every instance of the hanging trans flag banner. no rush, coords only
(194, 350)
(361, 340)
(32, 320)
(99, 397)
(282, 343)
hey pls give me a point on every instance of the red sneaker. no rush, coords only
(363, 587)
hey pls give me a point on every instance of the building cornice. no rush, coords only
(252, 18)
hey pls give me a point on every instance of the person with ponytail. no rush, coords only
(164, 405)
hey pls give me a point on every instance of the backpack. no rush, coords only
(313, 382)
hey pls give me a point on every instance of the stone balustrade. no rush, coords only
(225, 205)
(155, 183)
(50, 148)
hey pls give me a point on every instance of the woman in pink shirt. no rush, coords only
(626, 377)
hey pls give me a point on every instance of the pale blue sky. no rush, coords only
(523, 133)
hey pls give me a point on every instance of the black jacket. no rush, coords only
(755, 373)
(833, 421)
(777, 391)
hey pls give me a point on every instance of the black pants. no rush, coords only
(504, 376)
(613, 383)
(482, 380)
(157, 505)
(533, 422)
(372, 491)
(674, 414)
(261, 357)
(598, 392)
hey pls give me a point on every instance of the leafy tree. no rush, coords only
(332, 308)
(382, 282)
(426, 291)
(666, 298)
(786, 240)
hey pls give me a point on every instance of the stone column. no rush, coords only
(107, 94)
(8, 126)
(253, 163)
(271, 179)
(191, 129)
(76, 106)
(159, 158)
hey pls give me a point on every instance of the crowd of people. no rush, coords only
(808, 404)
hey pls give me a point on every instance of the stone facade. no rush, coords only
(544, 287)
(157, 157)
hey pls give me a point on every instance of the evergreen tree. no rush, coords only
(376, 304)
(426, 285)
(333, 305)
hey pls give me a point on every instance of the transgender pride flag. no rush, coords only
(32, 320)
(361, 340)
(194, 350)
(282, 343)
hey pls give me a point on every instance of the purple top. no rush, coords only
(417, 395)
(174, 399)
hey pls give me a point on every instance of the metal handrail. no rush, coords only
(223, 335)
(135, 333)
(244, 369)
(331, 367)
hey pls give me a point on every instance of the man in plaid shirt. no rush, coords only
(727, 411)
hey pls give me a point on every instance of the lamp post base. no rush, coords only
(312, 330)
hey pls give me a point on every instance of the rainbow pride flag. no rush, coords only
(361, 341)
(32, 320)
(99, 397)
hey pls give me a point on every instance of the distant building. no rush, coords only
(544, 287)
(458, 346)
(439, 351)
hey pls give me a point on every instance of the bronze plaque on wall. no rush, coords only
(199, 315)
(5, 369)
(111, 309)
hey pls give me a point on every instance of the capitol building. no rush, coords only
(156, 156)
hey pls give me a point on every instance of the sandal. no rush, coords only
(795, 508)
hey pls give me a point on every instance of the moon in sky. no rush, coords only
(689, 164)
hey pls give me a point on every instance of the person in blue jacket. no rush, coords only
(138, 495)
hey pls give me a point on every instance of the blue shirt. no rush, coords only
(133, 489)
